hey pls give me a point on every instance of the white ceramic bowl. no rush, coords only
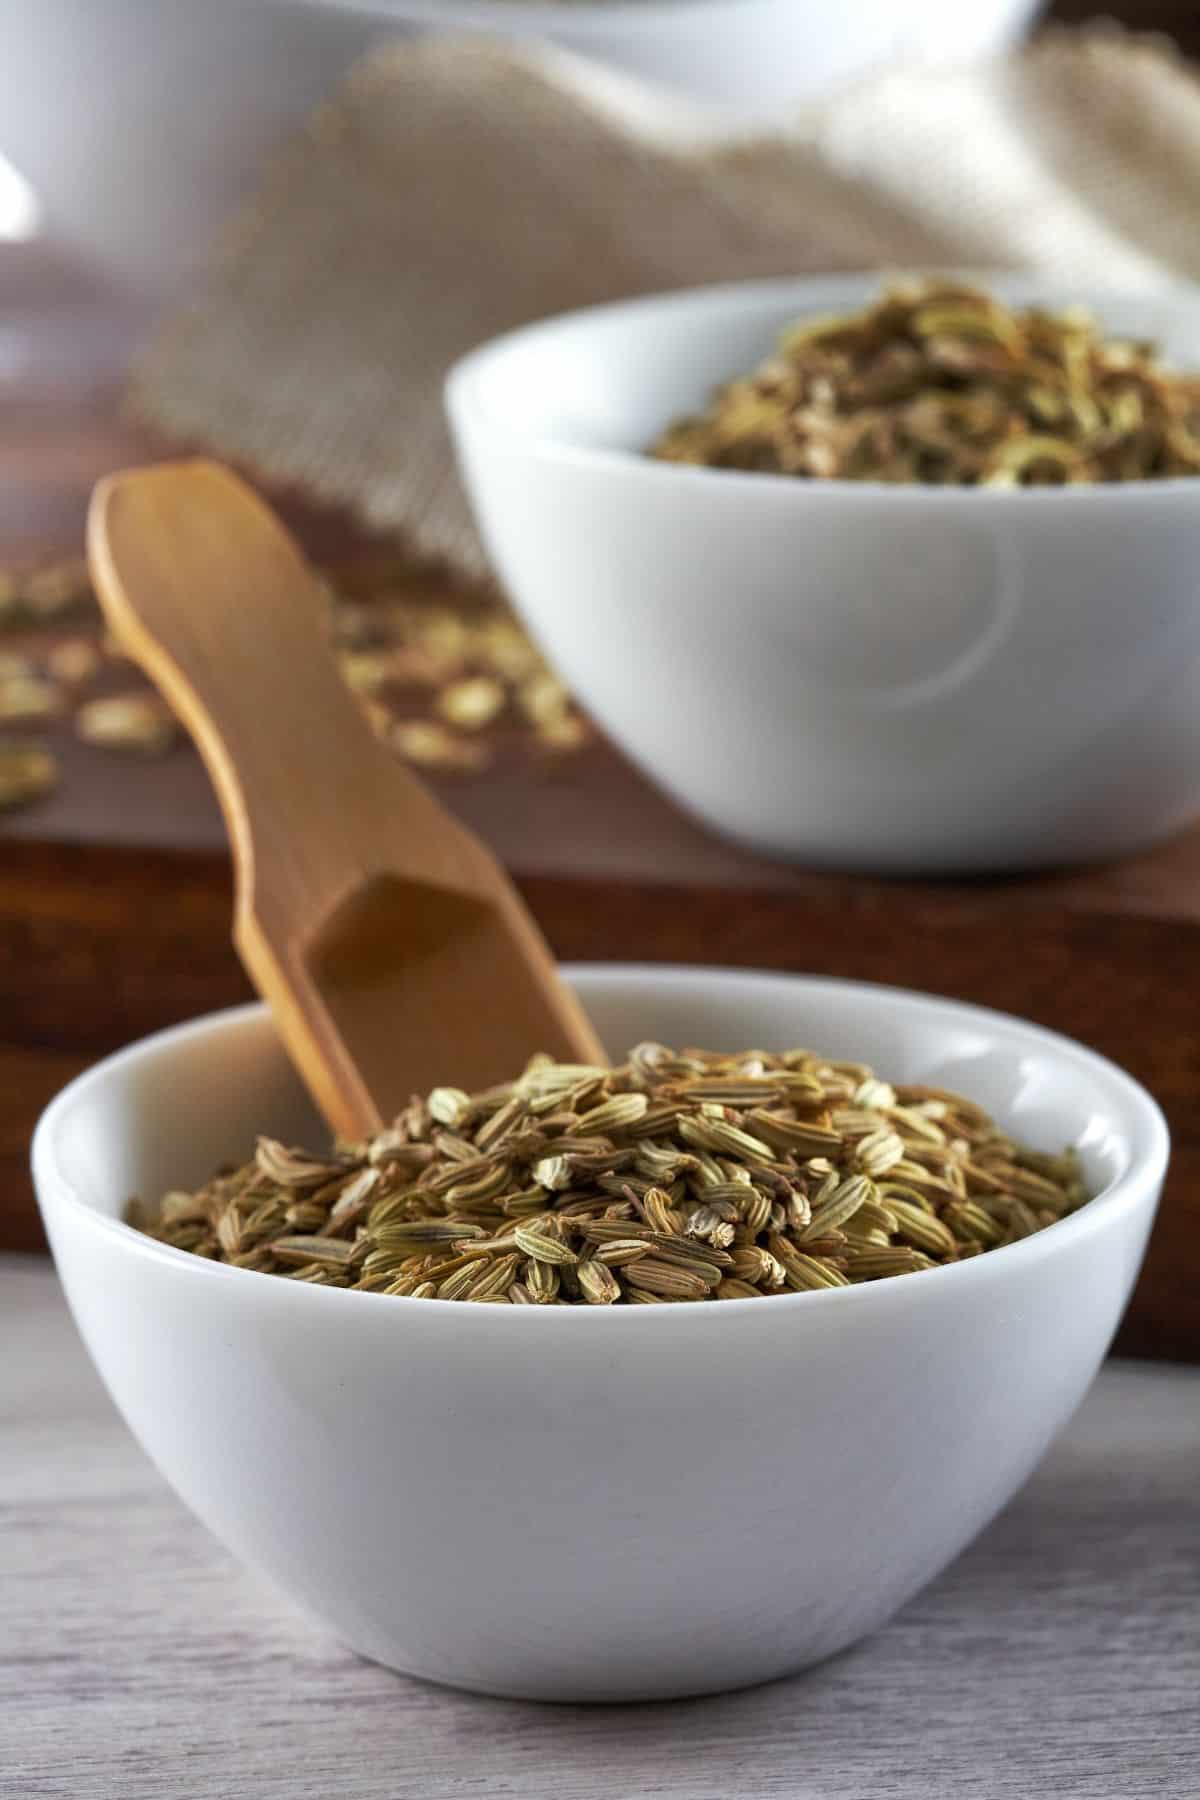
(750, 55)
(141, 123)
(894, 678)
(591, 1504)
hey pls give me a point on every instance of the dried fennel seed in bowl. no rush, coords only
(943, 384)
(679, 1176)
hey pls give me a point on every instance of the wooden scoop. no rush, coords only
(391, 947)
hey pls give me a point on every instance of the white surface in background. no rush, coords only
(20, 214)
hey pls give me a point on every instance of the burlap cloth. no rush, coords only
(451, 190)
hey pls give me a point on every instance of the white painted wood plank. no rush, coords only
(1060, 1656)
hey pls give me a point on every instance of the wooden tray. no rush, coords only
(114, 896)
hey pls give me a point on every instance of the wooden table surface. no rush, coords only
(115, 895)
(1059, 1655)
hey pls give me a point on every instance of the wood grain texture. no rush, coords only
(115, 899)
(98, 948)
(1060, 1655)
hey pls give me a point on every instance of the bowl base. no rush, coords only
(565, 1693)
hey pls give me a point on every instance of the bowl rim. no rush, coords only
(635, 16)
(1137, 1187)
(468, 414)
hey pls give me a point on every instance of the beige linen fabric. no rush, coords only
(453, 189)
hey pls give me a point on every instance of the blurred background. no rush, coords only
(130, 128)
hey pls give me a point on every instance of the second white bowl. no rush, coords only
(896, 679)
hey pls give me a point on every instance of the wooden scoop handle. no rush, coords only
(216, 603)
